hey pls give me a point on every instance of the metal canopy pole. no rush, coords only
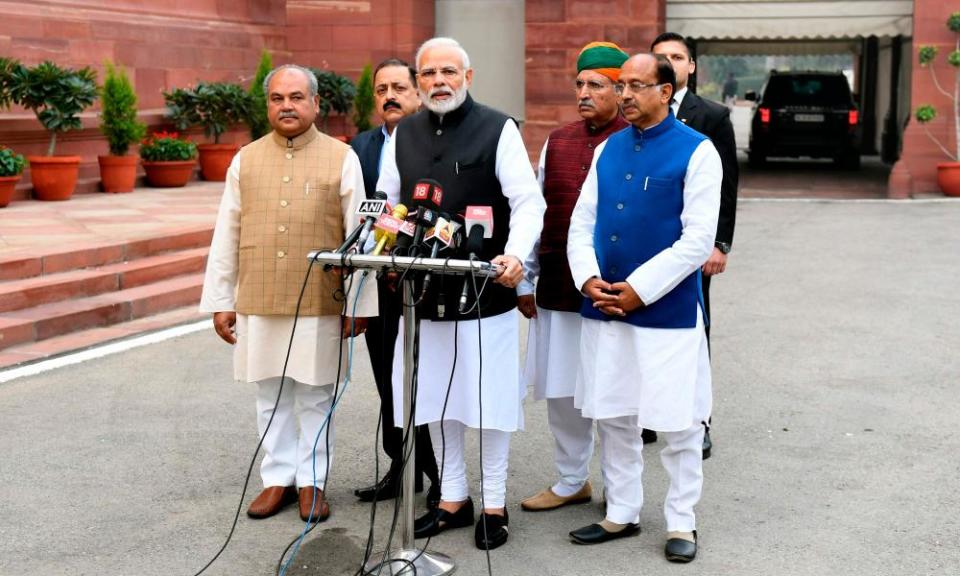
(408, 560)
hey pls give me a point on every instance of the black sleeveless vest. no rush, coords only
(458, 150)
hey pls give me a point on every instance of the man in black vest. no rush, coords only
(712, 120)
(469, 366)
(395, 93)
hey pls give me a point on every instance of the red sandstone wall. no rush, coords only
(346, 35)
(161, 43)
(916, 171)
(556, 31)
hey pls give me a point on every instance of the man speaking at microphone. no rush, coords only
(477, 156)
(290, 192)
(395, 94)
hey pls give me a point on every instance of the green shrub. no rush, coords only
(216, 106)
(167, 147)
(258, 122)
(11, 163)
(364, 102)
(336, 93)
(926, 113)
(7, 68)
(118, 114)
(56, 95)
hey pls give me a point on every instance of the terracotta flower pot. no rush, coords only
(54, 177)
(7, 186)
(169, 174)
(118, 173)
(215, 159)
(948, 177)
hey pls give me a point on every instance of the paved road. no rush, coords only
(836, 375)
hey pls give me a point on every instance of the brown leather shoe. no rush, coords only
(272, 500)
(548, 500)
(321, 510)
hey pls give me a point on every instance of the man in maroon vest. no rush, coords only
(553, 348)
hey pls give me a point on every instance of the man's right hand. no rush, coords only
(600, 292)
(527, 305)
(223, 323)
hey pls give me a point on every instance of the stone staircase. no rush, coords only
(72, 298)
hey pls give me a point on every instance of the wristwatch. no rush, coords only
(723, 247)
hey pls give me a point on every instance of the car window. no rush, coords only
(807, 91)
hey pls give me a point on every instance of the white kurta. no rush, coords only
(662, 376)
(501, 350)
(553, 339)
(262, 341)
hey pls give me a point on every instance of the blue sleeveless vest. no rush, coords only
(640, 177)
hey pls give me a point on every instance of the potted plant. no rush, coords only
(216, 107)
(57, 96)
(167, 160)
(948, 173)
(118, 122)
(11, 167)
(258, 122)
(336, 95)
(364, 102)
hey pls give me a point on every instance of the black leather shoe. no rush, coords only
(680, 550)
(648, 436)
(495, 534)
(437, 520)
(707, 444)
(595, 534)
(385, 489)
(433, 496)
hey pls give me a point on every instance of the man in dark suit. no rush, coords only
(395, 92)
(712, 120)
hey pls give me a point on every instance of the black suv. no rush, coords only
(805, 114)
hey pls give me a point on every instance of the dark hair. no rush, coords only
(396, 62)
(665, 73)
(672, 37)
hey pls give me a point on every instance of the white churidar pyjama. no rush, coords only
(449, 451)
(288, 447)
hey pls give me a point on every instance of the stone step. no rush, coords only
(35, 351)
(49, 288)
(58, 318)
(62, 259)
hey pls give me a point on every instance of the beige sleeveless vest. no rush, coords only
(290, 198)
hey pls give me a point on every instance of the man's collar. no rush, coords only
(299, 141)
(385, 132)
(680, 95)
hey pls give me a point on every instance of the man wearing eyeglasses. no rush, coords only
(713, 121)
(478, 157)
(641, 230)
(553, 345)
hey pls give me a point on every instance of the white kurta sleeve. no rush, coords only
(389, 180)
(362, 298)
(220, 279)
(701, 208)
(519, 186)
(531, 267)
(583, 221)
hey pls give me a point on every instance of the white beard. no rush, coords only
(441, 107)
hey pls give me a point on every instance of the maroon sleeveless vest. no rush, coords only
(569, 154)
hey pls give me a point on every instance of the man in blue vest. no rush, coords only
(642, 229)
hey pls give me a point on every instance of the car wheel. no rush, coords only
(756, 159)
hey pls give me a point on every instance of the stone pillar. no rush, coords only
(916, 171)
(556, 30)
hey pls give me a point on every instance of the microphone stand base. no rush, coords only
(410, 563)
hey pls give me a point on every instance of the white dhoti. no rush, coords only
(553, 362)
(502, 396)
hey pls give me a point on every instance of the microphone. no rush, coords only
(367, 223)
(387, 227)
(427, 197)
(370, 210)
(479, 223)
(443, 235)
(426, 219)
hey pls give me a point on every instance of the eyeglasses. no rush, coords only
(634, 86)
(591, 85)
(448, 72)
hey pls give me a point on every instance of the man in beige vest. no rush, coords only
(292, 191)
